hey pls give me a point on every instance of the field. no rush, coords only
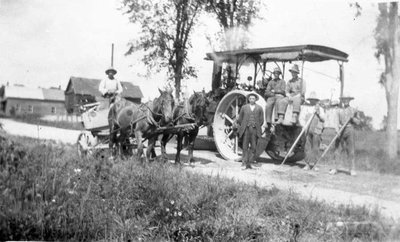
(370, 154)
(50, 194)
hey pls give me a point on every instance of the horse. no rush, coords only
(141, 121)
(192, 112)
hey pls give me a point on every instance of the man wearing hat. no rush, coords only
(295, 90)
(314, 135)
(273, 94)
(347, 138)
(110, 87)
(251, 117)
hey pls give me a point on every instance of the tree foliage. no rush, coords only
(166, 27)
(234, 13)
(164, 37)
(365, 122)
(234, 17)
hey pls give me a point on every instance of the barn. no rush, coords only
(85, 90)
(20, 100)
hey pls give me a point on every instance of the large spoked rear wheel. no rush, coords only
(281, 142)
(227, 112)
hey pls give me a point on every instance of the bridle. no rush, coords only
(162, 105)
(199, 107)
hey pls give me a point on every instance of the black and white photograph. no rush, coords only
(199, 120)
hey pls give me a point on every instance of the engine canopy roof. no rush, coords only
(311, 53)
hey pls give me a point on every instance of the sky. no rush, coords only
(45, 42)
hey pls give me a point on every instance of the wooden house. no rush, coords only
(85, 90)
(21, 100)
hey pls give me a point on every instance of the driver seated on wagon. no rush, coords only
(110, 87)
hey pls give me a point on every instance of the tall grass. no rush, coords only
(369, 153)
(48, 193)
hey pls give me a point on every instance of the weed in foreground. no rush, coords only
(48, 193)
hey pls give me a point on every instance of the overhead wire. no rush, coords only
(321, 73)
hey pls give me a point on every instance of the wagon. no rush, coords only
(95, 135)
(234, 95)
(96, 132)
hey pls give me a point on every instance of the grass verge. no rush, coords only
(369, 153)
(48, 193)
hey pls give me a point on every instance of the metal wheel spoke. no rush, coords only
(236, 145)
(228, 118)
(236, 106)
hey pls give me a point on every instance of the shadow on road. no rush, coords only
(185, 157)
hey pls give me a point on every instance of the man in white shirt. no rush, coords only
(314, 134)
(110, 87)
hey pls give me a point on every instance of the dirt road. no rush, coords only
(370, 189)
(39, 131)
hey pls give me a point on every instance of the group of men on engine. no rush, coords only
(279, 94)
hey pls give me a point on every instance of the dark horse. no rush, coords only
(192, 112)
(127, 119)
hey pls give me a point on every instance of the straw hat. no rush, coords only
(252, 94)
(295, 68)
(335, 103)
(277, 69)
(313, 96)
(347, 96)
(111, 69)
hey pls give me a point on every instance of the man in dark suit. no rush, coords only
(251, 118)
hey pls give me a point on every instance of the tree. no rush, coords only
(235, 17)
(164, 37)
(384, 123)
(387, 36)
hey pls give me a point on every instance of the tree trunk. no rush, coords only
(392, 80)
(178, 79)
(392, 97)
(177, 87)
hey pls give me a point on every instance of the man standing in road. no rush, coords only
(273, 94)
(314, 134)
(251, 117)
(295, 90)
(110, 87)
(347, 138)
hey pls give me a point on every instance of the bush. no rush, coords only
(48, 193)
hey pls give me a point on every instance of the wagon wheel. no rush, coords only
(227, 112)
(282, 140)
(82, 144)
(85, 143)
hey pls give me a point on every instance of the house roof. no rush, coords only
(53, 94)
(87, 86)
(22, 92)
